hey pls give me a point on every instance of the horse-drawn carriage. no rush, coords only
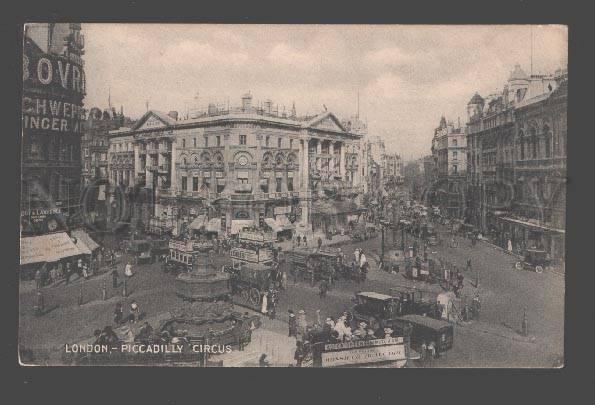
(251, 269)
(317, 264)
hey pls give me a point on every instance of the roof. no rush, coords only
(83, 236)
(518, 73)
(375, 295)
(426, 321)
(476, 99)
(49, 248)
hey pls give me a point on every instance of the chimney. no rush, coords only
(268, 106)
(173, 114)
(246, 102)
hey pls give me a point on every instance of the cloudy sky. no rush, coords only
(407, 76)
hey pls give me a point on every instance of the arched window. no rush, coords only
(522, 144)
(184, 160)
(547, 139)
(195, 160)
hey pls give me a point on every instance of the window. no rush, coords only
(548, 142)
(220, 187)
(206, 141)
(194, 142)
(454, 169)
(522, 145)
(454, 142)
(291, 144)
(278, 188)
(242, 139)
(184, 183)
(35, 150)
(290, 184)
(455, 155)
(195, 183)
(218, 140)
(243, 177)
(183, 143)
(267, 141)
(279, 142)
(86, 152)
(534, 145)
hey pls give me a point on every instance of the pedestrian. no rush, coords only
(115, 276)
(85, 271)
(305, 241)
(292, 324)
(263, 362)
(432, 350)
(302, 324)
(118, 313)
(319, 241)
(79, 267)
(283, 280)
(323, 288)
(68, 272)
(38, 281)
(134, 311)
(298, 355)
(423, 352)
(264, 304)
(299, 240)
(468, 268)
(128, 270)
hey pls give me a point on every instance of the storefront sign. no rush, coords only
(39, 215)
(282, 210)
(363, 352)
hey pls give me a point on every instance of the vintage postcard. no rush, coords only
(199, 195)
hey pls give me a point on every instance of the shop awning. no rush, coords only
(49, 248)
(198, 223)
(284, 222)
(214, 225)
(273, 225)
(80, 234)
(334, 207)
(238, 224)
(532, 225)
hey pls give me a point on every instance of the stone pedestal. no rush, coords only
(204, 282)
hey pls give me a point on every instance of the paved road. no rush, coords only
(492, 342)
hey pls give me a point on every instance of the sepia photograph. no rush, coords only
(297, 195)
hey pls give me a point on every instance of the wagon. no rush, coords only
(315, 264)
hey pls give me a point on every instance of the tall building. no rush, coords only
(95, 157)
(449, 151)
(241, 166)
(392, 171)
(514, 166)
(374, 154)
(52, 122)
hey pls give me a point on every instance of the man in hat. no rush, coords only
(302, 324)
(388, 332)
(115, 276)
(361, 332)
(292, 324)
(323, 288)
(128, 270)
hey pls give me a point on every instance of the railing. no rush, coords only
(163, 168)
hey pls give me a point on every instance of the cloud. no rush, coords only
(284, 55)
(200, 53)
(389, 57)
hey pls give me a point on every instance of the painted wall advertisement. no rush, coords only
(54, 87)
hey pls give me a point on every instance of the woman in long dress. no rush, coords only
(264, 305)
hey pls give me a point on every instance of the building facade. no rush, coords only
(512, 165)
(449, 152)
(240, 167)
(52, 123)
(393, 171)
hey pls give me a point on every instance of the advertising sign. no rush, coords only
(364, 352)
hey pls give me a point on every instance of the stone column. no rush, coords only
(342, 163)
(172, 166)
(136, 161)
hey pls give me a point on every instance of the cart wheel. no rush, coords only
(245, 296)
(538, 269)
(518, 266)
(254, 296)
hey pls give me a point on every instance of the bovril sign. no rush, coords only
(54, 87)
